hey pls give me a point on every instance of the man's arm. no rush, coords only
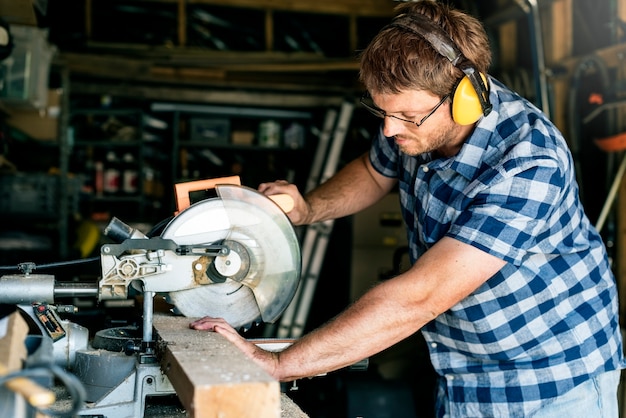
(353, 188)
(385, 315)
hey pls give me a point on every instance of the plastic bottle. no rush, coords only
(130, 175)
(112, 175)
(99, 178)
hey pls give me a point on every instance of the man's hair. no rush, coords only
(398, 59)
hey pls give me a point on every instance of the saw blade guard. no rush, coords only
(255, 223)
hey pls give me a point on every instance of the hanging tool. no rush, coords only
(615, 143)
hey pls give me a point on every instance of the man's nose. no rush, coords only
(392, 126)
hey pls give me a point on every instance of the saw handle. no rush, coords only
(284, 201)
(182, 190)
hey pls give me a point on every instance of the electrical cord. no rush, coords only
(52, 265)
(155, 231)
(74, 387)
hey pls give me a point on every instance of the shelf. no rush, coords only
(273, 44)
(114, 198)
(236, 147)
(231, 111)
(109, 143)
(108, 148)
(209, 141)
(348, 7)
(175, 19)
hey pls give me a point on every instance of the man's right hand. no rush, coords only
(301, 211)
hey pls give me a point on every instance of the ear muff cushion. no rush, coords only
(466, 108)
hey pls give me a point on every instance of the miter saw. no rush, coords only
(235, 256)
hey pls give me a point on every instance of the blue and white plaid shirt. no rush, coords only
(549, 319)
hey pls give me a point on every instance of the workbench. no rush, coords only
(212, 378)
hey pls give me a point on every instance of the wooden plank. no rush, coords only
(508, 49)
(211, 376)
(299, 99)
(353, 30)
(13, 331)
(559, 31)
(559, 38)
(358, 7)
(88, 23)
(507, 35)
(182, 23)
(210, 66)
(269, 30)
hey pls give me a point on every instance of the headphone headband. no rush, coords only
(422, 26)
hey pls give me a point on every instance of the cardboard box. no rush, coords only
(242, 137)
(21, 12)
(38, 124)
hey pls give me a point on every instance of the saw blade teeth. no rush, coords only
(249, 326)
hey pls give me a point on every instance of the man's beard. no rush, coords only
(414, 146)
(436, 140)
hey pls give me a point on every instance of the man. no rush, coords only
(510, 284)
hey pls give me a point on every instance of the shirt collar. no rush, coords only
(472, 154)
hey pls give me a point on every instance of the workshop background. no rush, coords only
(106, 104)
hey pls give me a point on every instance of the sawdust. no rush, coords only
(288, 408)
(170, 407)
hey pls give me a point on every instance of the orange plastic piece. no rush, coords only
(182, 190)
(596, 98)
(612, 143)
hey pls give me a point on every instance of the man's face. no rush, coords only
(419, 122)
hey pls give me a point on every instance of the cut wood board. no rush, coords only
(212, 377)
(13, 331)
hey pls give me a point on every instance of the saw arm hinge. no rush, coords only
(138, 259)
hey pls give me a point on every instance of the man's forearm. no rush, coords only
(352, 189)
(392, 310)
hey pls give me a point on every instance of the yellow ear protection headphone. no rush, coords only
(470, 97)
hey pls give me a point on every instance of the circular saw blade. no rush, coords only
(229, 300)
(244, 216)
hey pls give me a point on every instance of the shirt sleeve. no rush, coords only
(519, 211)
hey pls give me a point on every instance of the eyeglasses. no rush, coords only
(366, 101)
